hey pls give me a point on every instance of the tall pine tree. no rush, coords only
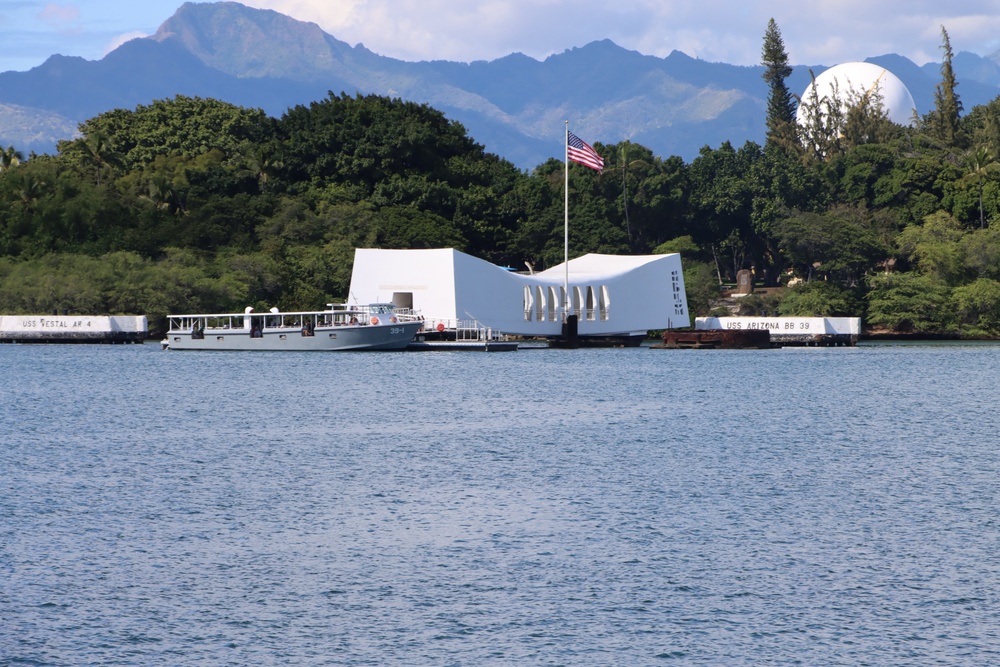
(944, 119)
(781, 127)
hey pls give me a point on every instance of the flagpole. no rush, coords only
(585, 155)
(566, 232)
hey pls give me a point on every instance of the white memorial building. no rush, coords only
(611, 295)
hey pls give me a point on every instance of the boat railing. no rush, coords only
(337, 315)
(463, 329)
(407, 315)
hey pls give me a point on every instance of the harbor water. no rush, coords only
(799, 506)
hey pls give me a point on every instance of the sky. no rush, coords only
(821, 32)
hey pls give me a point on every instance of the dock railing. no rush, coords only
(471, 330)
(466, 330)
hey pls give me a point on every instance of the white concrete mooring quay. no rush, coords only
(73, 328)
(792, 331)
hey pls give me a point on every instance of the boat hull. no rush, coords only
(394, 336)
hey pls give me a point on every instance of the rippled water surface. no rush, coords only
(543, 507)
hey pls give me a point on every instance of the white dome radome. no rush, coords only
(862, 78)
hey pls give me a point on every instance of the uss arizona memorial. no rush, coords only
(610, 295)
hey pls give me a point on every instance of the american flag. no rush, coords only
(577, 150)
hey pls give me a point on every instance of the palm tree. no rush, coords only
(97, 151)
(260, 162)
(979, 163)
(161, 192)
(625, 167)
(10, 158)
(29, 189)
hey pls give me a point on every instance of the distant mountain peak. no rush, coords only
(247, 42)
(515, 105)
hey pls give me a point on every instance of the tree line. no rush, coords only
(195, 205)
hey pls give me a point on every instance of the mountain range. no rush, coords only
(514, 106)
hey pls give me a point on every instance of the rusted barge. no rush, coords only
(716, 339)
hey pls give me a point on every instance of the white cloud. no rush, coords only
(121, 39)
(824, 32)
(59, 16)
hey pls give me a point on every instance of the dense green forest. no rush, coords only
(195, 205)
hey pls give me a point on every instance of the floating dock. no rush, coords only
(461, 346)
(73, 328)
(460, 335)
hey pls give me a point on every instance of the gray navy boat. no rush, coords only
(341, 327)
